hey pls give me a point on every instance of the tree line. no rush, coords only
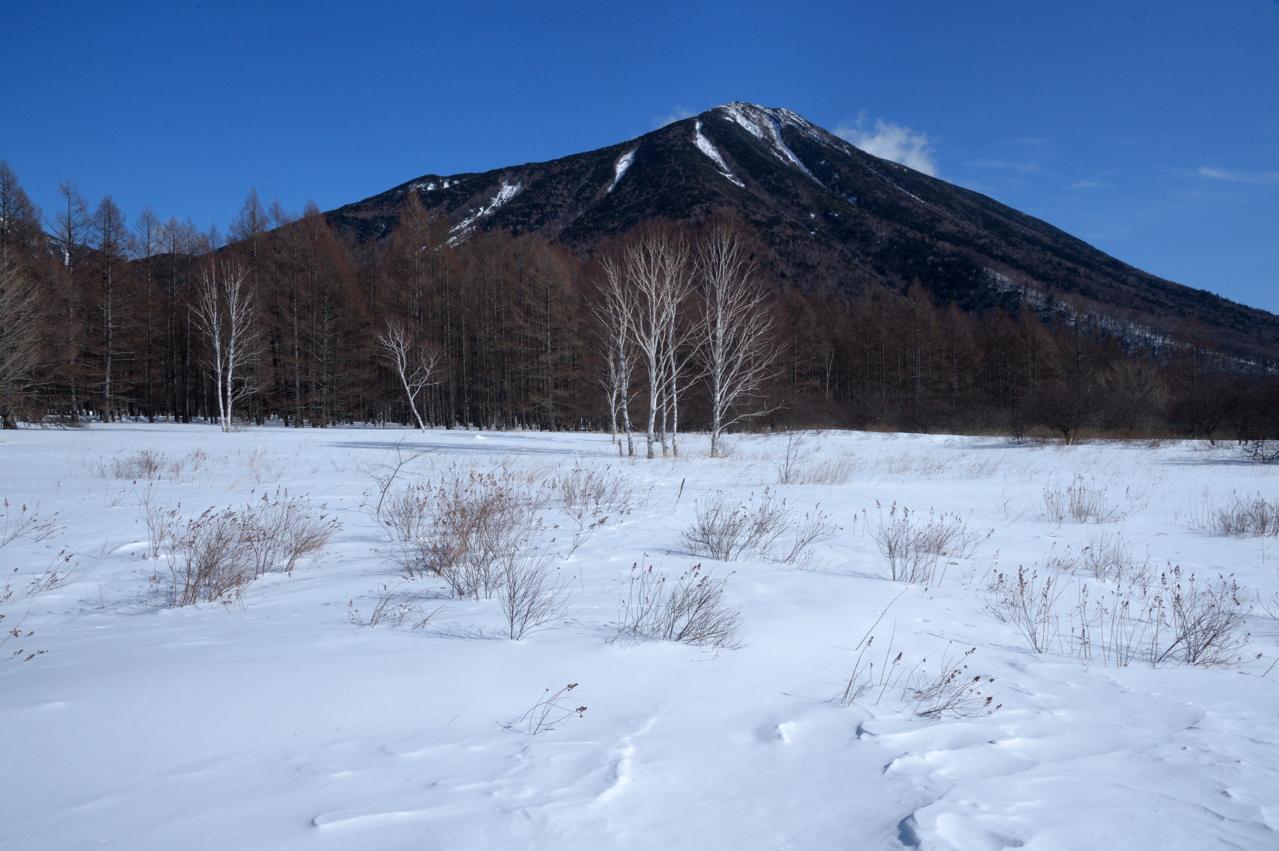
(103, 317)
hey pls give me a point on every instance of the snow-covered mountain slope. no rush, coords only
(283, 720)
(831, 215)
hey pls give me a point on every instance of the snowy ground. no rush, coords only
(277, 722)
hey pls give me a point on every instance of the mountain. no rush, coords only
(833, 216)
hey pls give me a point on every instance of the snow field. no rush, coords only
(278, 722)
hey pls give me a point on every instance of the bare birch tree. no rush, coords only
(224, 313)
(612, 311)
(735, 349)
(645, 322)
(679, 343)
(656, 266)
(413, 365)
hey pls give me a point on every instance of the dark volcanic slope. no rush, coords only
(833, 215)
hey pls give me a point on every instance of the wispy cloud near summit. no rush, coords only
(679, 113)
(891, 141)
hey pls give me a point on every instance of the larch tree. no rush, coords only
(224, 313)
(71, 225)
(181, 242)
(735, 349)
(18, 338)
(147, 241)
(111, 239)
(20, 232)
(20, 240)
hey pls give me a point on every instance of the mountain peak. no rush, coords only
(832, 216)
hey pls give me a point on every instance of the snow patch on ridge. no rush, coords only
(431, 185)
(766, 125)
(504, 194)
(620, 167)
(704, 145)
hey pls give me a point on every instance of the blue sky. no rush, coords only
(1148, 129)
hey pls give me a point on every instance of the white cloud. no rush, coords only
(1087, 184)
(679, 113)
(892, 142)
(1261, 177)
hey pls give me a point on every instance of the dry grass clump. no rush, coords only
(1080, 502)
(550, 711)
(1109, 558)
(689, 609)
(58, 571)
(792, 459)
(1176, 617)
(798, 468)
(953, 691)
(583, 492)
(14, 632)
(479, 533)
(212, 557)
(462, 529)
(1198, 621)
(143, 465)
(208, 559)
(946, 690)
(809, 529)
(280, 530)
(762, 525)
(926, 466)
(1028, 601)
(22, 522)
(1063, 561)
(392, 606)
(725, 529)
(1111, 628)
(826, 471)
(531, 593)
(915, 546)
(590, 498)
(1243, 517)
(405, 514)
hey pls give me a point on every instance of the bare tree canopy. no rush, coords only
(413, 364)
(656, 270)
(224, 312)
(735, 340)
